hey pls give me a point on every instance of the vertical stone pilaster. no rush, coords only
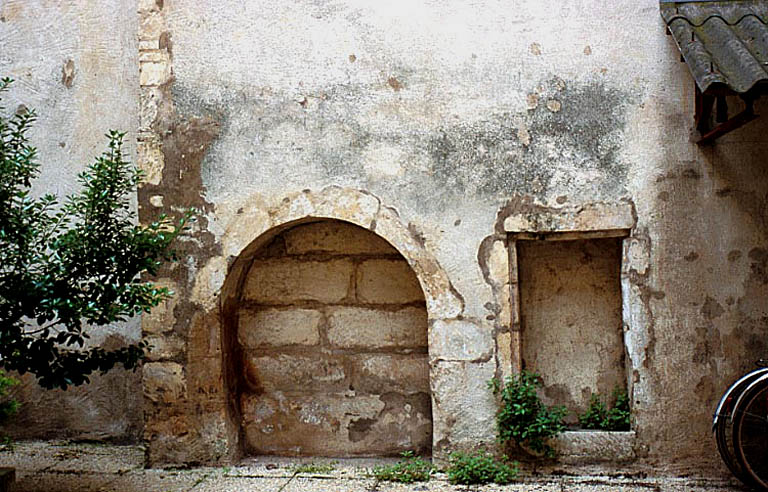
(186, 409)
(164, 376)
(154, 71)
(516, 357)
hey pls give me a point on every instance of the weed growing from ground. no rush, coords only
(314, 468)
(409, 469)
(479, 468)
(522, 417)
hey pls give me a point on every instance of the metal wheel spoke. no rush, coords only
(750, 431)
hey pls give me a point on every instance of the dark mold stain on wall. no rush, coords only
(575, 127)
(578, 127)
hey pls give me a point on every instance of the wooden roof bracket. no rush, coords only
(706, 102)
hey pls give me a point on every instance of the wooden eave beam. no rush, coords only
(705, 102)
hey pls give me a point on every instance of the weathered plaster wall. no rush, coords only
(429, 123)
(75, 63)
(459, 116)
(454, 114)
(703, 292)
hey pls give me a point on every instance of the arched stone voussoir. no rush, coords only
(253, 228)
(442, 300)
(333, 202)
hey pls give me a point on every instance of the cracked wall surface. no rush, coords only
(442, 128)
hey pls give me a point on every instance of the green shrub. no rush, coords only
(522, 418)
(598, 416)
(408, 470)
(479, 468)
(8, 406)
(69, 269)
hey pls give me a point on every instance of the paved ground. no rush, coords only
(66, 467)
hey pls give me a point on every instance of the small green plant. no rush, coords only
(522, 418)
(314, 467)
(409, 469)
(479, 468)
(8, 406)
(598, 416)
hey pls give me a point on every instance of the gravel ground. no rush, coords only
(67, 467)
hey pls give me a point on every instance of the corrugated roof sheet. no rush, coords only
(724, 43)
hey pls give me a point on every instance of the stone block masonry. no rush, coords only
(371, 328)
(286, 281)
(387, 282)
(332, 328)
(277, 327)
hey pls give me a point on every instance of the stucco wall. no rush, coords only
(458, 115)
(429, 123)
(75, 63)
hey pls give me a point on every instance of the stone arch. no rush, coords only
(255, 223)
(331, 346)
(190, 383)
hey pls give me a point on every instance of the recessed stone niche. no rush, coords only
(571, 318)
(331, 347)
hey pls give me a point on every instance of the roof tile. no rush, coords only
(724, 43)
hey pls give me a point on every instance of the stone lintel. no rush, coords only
(587, 220)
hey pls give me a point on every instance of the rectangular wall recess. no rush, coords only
(570, 309)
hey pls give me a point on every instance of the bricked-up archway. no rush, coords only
(332, 346)
(194, 380)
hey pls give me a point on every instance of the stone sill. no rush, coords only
(591, 446)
